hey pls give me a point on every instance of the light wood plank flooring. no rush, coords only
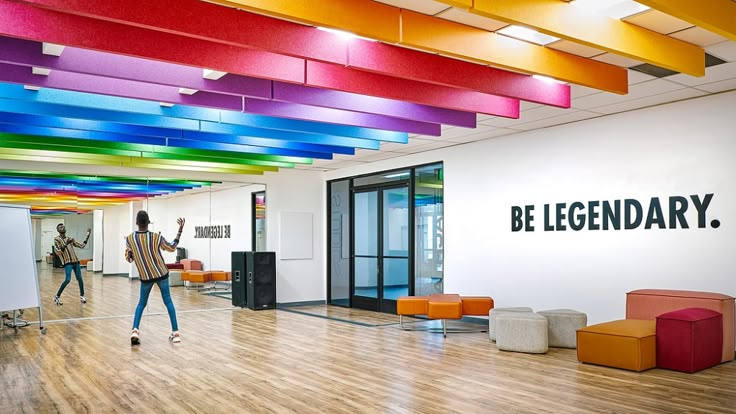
(276, 361)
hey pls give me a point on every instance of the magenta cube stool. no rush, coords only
(689, 340)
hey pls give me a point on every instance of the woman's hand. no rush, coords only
(180, 221)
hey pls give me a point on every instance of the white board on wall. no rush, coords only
(18, 277)
(295, 231)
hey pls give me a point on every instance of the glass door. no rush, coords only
(381, 247)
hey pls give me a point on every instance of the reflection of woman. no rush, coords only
(144, 248)
(64, 248)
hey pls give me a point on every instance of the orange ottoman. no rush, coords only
(628, 344)
(411, 305)
(477, 305)
(650, 303)
(195, 276)
(218, 276)
(444, 306)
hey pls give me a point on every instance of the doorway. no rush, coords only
(381, 249)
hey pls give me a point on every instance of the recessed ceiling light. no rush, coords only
(31, 87)
(52, 49)
(547, 79)
(187, 91)
(212, 74)
(617, 9)
(41, 71)
(166, 104)
(343, 34)
(529, 35)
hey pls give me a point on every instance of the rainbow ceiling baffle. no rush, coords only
(253, 95)
(55, 194)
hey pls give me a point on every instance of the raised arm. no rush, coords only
(170, 247)
(86, 239)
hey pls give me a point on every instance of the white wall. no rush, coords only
(298, 191)
(36, 231)
(678, 149)
(117, 225)
(98, 237)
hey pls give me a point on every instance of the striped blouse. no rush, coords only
(144, 248)
(65, 250)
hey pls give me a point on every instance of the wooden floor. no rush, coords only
(321, 359)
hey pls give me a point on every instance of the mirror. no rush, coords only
(219, 220)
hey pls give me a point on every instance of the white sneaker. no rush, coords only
(82, 299)
(57, 301)
(134, 339)
(174, 337)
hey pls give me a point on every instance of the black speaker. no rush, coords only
(181, 253)
(239, 285)
(261, 280)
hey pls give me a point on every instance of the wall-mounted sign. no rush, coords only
(625, 214)
(221, 231)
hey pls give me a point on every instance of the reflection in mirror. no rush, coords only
(218, 221)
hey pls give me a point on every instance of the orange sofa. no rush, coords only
(649, 303)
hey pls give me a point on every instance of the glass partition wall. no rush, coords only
(380, 247)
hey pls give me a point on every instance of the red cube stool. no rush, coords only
(689, 340)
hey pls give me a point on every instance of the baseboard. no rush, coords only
(306, 303)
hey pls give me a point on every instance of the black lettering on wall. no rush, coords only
(529, 210)
(577, 223)
(628, 222)
(547, 224)
(600, 215)
(592, 215)
(678, 207)
(701, 206)
(516, 223)
(654, 215)
(612, 216)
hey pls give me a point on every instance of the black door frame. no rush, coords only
(380, 304)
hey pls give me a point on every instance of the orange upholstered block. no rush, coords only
(477, 305)
(218, 276)
(411, 305)
(195, 276)
(650, 303)
(627, 344)
(83, 262)
(444, 306)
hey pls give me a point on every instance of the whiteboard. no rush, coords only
(295, 236)
(18, 277)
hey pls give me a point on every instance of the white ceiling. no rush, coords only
(644, 90)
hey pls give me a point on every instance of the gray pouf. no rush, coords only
(175, 278)
(521, 332)
(492, 318)
(562, 325)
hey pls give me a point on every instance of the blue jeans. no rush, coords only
(163, 286)
(68, 273)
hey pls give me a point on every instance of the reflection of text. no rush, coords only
(212, 232)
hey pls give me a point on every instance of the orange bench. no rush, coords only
(443, 307)
(202, 277)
